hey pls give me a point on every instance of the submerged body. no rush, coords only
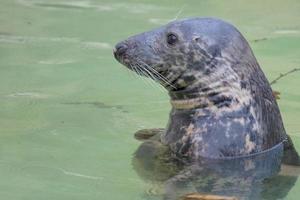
(252, 177)
(222, 103)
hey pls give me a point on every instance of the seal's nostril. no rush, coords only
(121, 48)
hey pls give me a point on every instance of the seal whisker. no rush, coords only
(135, 70)
(154, 79)
(138, 72)
(164, 79)
(147, 73)
(144, 66)
(131, 74)
(141, 73)
(159, 76)
(179, 13)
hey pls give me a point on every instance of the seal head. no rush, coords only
(182, 48)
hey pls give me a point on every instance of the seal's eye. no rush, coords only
(172, 39)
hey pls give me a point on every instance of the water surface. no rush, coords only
(69, 110)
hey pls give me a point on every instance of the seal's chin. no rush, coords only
(126, 62)
(123, 59)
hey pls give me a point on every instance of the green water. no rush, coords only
(69, 110)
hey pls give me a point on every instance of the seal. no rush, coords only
(222, 104)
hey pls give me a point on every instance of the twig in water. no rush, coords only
(283, 75)
(259, 39)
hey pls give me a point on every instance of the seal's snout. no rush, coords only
(120, 50)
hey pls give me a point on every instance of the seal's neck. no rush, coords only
(219, 94)
(216, 84)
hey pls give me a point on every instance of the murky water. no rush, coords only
(69, 110)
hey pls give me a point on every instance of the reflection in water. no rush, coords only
(50, 5)
(254, 177)
(98, 104)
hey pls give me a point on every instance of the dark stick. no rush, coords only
(283, 75)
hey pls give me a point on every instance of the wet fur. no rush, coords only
(212, 63)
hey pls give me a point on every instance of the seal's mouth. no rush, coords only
(123, 58)
(133, 63)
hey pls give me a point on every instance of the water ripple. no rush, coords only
(135, 8)
(14, 39)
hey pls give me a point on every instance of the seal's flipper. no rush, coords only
(289, 171)
(290, 155)
(276, 94)
(146, 134)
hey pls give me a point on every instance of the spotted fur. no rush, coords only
(222, 103)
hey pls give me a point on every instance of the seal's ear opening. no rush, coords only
(197, 39)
